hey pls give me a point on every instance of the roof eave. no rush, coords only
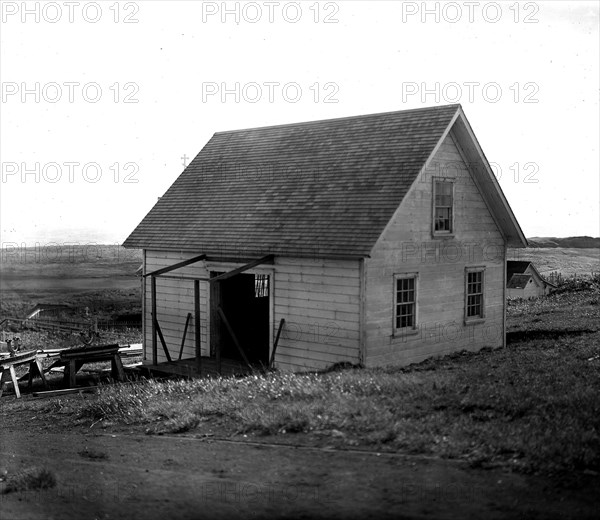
(491, 190)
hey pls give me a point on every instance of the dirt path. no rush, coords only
(124, 475)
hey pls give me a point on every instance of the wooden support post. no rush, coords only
(218, 356)
(116, 368)
(154, 340)
(71, 373)
(185, 328)
(197, 331)
(2, 373)
(281, 324)
(234, 338)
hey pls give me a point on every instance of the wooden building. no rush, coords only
(524, 280)
(374, 240)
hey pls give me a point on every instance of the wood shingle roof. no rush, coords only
(325, 188)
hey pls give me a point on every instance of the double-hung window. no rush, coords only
(443, 206)
(474, 301)
(405, 302)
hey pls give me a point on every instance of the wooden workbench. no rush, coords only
(75, 358)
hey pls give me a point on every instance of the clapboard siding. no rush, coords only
(320, 303)
(319, 300)
(407, 246)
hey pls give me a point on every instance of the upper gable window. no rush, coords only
(443, 206)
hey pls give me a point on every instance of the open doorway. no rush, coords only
(244, 300)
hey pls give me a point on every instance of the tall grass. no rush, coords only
(532, 406)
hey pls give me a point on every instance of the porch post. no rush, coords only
(154, 342)
(197, 338)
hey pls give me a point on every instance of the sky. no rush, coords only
(104, 103)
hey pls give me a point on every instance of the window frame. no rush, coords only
(481, 316)
(436, 232)
(411, 329)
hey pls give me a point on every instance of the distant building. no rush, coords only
(524, 280)
(46, 310)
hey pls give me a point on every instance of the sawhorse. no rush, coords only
(8, 364)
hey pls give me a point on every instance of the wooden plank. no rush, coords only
(230, 274)
(317, 351)
(189, 261)
(162, 340)
(65, 391)
(185, 328)
(308, 303)
(84, 352)
(281, 324)
(317, 289)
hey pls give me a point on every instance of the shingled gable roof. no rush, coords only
(518, 281)
(518, 268)
(324, 188)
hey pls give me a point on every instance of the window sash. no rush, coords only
(405, 304)
(443, 204)
(474, 307)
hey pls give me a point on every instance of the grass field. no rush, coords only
(101, 278)
(568, 261)
(531, 407)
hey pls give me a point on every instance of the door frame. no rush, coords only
(221, 267)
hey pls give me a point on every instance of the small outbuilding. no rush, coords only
(373, 240)
(524, 280)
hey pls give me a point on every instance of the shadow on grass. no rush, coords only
(520, 336)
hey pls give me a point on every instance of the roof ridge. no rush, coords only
(345, 118)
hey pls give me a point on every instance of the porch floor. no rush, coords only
(187, 368)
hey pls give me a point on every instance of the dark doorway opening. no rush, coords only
(244, 299)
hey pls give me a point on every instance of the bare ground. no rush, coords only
(119, 473)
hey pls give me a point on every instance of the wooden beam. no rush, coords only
(182, 277)
(170, 268)
(162, 340)
(234, 337)
(51, 393)
(197, 331)
(185, 328)
(281, 324)
(153, 312)
(234, 272)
